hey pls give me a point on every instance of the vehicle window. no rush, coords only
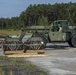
(65, 26)
(54, 27)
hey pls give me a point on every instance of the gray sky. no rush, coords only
(13, 8)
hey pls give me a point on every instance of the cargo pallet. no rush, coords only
(28, 53)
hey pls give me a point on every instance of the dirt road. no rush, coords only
(61, 60)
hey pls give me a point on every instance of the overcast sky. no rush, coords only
(13, 8)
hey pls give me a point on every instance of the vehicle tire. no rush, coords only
(43, 36)
(73, 41)
(70, 43)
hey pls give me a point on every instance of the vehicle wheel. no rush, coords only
(70, 43)
(35, 43)
(73, 40)
(43, 37)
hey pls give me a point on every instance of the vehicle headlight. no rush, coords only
(42, 42)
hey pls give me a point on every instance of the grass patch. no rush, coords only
(17, 66)
(10, 32)
(1, 72)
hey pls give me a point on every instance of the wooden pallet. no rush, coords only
(13, 52)
(22, 52)
(28, 53)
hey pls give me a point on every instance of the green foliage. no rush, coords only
(10, 31)
(13, 62)
(42, 21)
(11, 73)
(40, 14)
(42, 73)
(3, 58)
(1, 72)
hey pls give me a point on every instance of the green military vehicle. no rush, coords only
(52, 34)
(41, 35)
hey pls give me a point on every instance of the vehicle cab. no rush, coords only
(55, 34)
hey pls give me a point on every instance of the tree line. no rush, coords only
(41, 14)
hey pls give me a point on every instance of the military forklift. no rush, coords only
(41, 35)
(52, 34)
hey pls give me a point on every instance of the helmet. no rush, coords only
(59, 24)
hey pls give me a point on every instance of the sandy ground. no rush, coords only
(61, 60)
